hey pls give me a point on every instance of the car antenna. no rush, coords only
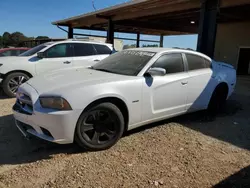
(93, 4)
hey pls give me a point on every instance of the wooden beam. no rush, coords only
(232, 3)
(177, 5)
(121, 38)
(157, 26)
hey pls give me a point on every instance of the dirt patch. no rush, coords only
(186, 151)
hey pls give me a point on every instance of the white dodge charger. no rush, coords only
(94, 106)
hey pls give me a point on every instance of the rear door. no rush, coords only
(200, 82)
(58, 56)
(84, 54)
(102, 50)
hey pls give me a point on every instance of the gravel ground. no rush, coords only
(187, 151)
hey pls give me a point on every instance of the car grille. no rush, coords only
(23, 104)
(24, 126)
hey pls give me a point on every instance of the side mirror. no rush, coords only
(41, 55)
(157, 71)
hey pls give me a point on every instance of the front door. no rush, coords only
(57, 57)
(164, 96)
(244, 62)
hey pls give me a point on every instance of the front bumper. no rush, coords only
(53, 126)
(58, 127)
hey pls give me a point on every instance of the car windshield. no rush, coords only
(34, 50)
(127, 62)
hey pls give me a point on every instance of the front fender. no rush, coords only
(129, 93)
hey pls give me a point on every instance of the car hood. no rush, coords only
(12, 59)
(65, 79)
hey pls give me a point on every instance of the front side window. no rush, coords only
(102, 49)
(195, 62)
(172, 63)
(58, 51)
(83, 49)
(127, 62)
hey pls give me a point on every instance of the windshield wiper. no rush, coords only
(104, 70)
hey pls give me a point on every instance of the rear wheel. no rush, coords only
(218, 99)
(100, 127)
(12, 81)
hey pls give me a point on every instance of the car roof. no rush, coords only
(162, 50)
(83, 41)
(19, 48)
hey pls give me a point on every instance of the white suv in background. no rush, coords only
(47, 57)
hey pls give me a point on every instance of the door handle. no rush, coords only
(184, 83)
(66, 62)
(96, 60)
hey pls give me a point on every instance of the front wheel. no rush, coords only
(100, 127)
(12, 82)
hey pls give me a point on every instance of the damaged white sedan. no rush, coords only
(131, 88)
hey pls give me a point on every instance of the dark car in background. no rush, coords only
(12, 51)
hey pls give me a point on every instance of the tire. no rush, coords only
(99, 127)
(218, 99)
(12, 81)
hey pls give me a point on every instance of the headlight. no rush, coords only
(57, 103)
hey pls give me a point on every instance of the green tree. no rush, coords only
(1, 41)
(42, 38)
(150, 45)
(6, 39)
(16, 38)
(127, 46)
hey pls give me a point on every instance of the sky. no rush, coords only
(33, 18)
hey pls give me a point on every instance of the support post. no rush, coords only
(138, 40)
(161, 40)
(70, 33)
(110, 32)
(208, 27)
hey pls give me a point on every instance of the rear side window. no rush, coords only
(195, 62)
(14, 52)
(102, 49)
(208, 63)
(172, 63)
(83, 49)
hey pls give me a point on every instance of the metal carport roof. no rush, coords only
(165, 17)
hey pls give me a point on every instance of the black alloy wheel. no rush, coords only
(100, 127)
